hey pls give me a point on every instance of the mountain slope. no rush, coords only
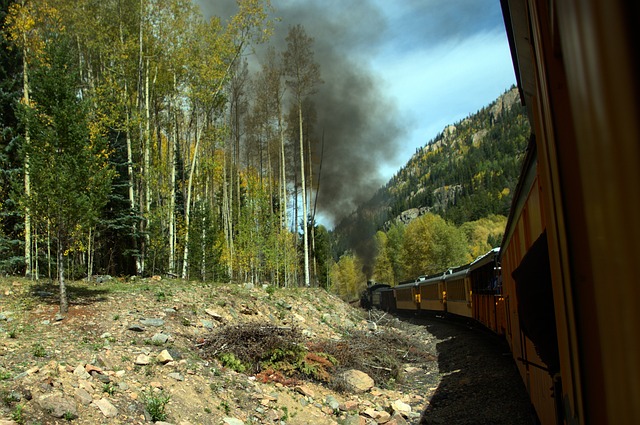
(467, 172)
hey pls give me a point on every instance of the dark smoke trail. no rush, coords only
(361, 125)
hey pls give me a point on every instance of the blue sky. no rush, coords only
(441, 60)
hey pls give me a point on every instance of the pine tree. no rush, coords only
(11, 221)
(71, 177)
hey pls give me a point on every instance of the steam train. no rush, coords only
(473, 291)
(568, 300)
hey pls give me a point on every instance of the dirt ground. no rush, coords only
(134, 352)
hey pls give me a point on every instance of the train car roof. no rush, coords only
(406, 285)
(433, 279)
(456, 273)
(485, 259)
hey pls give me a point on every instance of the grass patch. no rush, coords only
(155, 404)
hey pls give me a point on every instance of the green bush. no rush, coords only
(155, 404)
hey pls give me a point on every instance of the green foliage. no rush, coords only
(17, 414)
(5, 375)
(155, 404)
(383, 268)
(347, 277)
(11, 183)
(224, 406)
(484, 234)
(38, 350)
(433, 245)
(109, 388)
(232, 362)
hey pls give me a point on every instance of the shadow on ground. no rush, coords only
(78, 293)
(480, 382)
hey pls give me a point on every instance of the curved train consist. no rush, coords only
(568, 301)
(473, 290)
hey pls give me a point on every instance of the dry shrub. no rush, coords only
(251, 343)
(380, 355)
(277, 354)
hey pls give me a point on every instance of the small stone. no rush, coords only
(160, 338)
(100, 377)
(355, 420)
(332, 402)
(136, 328)
(207, 324)
(164, 357)
(91, 368)
(232, 421)
(357, 381)
(214, 314)
(152, 322)
(83, 397)
(397, 419)
(298, 318)
(401, 407)
(349, 405)
(142, 360)
(372, 326)
(176, 376)
(86, 385)
(32, 370)
(305, 391)
(107, 409)
(104, 362)
(81, 372)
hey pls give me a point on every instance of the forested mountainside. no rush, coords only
(466, 173)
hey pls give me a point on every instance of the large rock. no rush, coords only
(401, 407)
(357, 381)
(58, 406)
(107, 409)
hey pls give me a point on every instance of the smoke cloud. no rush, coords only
(361, 124)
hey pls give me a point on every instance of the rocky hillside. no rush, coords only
(191, 353)
(466, 173)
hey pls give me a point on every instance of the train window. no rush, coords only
(535, 302)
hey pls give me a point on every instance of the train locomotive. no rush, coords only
(562, 288)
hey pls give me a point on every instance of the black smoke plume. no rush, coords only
(359, 122)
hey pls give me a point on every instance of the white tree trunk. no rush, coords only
(304, 202)
(187, 208)
(64, 300)
(172, 203)
(27, 172)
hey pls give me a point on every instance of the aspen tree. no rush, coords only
(303, 76)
